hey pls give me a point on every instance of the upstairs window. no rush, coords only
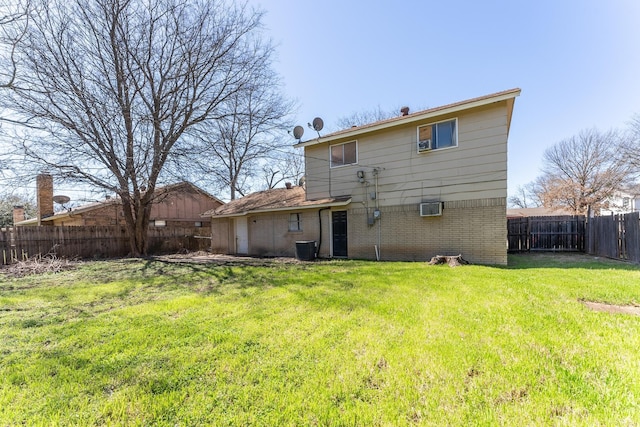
(438, 135)
(344, 154)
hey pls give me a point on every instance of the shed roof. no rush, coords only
(277, 199)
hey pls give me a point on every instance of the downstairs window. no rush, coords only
(295, 222)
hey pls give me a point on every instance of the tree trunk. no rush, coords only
(136, 214)
(453, 261)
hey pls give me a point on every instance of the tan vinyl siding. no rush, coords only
(317, 171)
(475, 169)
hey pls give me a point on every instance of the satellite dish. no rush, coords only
(61, 200)
(298, 131)
(318, 124)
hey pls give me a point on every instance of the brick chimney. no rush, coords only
(18, 214)
(44, 190)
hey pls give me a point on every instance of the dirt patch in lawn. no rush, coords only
(208, 258)
(38, 266)
(56, 265)
(610, 308)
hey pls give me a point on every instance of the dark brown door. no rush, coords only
(339, 231)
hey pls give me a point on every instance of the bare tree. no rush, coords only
(288, 166)
(631, 147)
(583, 171)
(14, 16)
(365, 117)
(634, 124)
(112, 88)
(525, 197)
(251, 133)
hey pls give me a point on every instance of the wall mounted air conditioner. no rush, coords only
(431, 209)
(424, 145)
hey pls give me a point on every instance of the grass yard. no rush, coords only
(137, 342)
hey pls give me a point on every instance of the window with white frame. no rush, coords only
(438, 135)
(295, 222)
(344, 154)
(160, 223)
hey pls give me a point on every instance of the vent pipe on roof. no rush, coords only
(404, 111)
(288, 185)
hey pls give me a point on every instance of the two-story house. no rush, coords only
(411, 187)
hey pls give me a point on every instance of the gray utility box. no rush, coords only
(306, 250)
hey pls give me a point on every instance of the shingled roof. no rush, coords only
(276, 199)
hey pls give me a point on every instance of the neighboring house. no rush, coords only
(620, 203)
(176, 205)
(411, 187)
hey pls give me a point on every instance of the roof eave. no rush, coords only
(427, 114)
(27, 222)
(287, 208)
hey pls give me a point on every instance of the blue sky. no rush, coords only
(577, 62)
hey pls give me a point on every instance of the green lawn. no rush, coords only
(330, 343)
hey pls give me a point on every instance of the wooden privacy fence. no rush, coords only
(546, 233)
(20, 243)
(615, 236)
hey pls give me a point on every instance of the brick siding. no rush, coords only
(477, 229)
